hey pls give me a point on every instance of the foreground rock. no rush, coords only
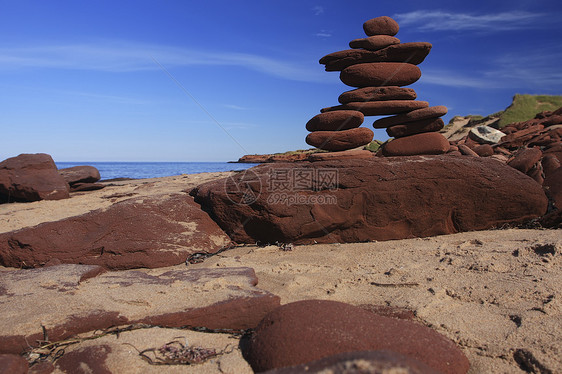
(359, 363)
(56, 302)
(31, 177)
(146, 232)
(379, 199)
(305, 331)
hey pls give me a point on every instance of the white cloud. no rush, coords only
(323, 34)
(453, 79)
(426, 20)
(130, 57)
(235, 107)
(318, 10)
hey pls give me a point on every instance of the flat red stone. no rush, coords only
(381, 26)
(377, 94)
(429, 143)
(374, 43)
(340, 140)
(335, 121)
(379, 108)
(417, 127)
(416, 115)
(380, 74)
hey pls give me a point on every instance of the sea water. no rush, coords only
(138, 170)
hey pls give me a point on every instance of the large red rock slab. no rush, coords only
(381, 26)
(412, 53)
(305, 331)
(371, 199)
(525, 159)
(413, 116)
(374, 43)
(429, 143)
(80, 174)
(340, 140)
(60, 301)
(379, 108)
(377, 93)
(140, 232)
(370, 362)
(31, 177)
(417, 127)
(335, 121)
(380, 74)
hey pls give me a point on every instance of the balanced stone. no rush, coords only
(381, 26)
(416, 115)
(413, 53)
(380, 74)
(429, 143)
(418, 127)
(335, 121)
(377, 93)
(379, 108)
(340, 140)
(374, 43)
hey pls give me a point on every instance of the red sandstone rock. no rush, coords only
(484, 150)
(374, 43)
(377, 94)
(360, 363)
(553, 183)
(378, 108)
(66, 300)
(139, 232)
(80, 174)
(12, 364)
(525, 159)
(465, 150)
(335, 121)
(380, 74)
(536, 173)
(416, 115)
(77, 187)
(412, 53)
(340, 140)
(376, 199)
(31, 177)
(429, 143)
(550, 163)
(381, 26)
(417, 127)
(304, 331)
(519, 138)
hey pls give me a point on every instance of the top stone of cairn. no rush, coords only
(381, 26)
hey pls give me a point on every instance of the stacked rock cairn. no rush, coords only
(379, 67)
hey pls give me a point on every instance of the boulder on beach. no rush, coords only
(80, 174)
(140, 232)
(305, 331)
(344, 201)
(31, 177)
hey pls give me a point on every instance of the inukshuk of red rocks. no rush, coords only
(379, 66)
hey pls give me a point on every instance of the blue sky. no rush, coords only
(213, 80)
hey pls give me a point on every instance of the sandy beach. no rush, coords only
(495, 293)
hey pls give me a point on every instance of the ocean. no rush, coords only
(139, 170)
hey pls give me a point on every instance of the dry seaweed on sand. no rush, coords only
(176, 353)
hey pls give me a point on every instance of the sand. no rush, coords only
(495, 293)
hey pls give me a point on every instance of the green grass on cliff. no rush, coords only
(525, 107)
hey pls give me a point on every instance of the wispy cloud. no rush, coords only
(130, 57)
(514, 71)
(235, 107)
(426, 20)
(318, 10)
(323, 34)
